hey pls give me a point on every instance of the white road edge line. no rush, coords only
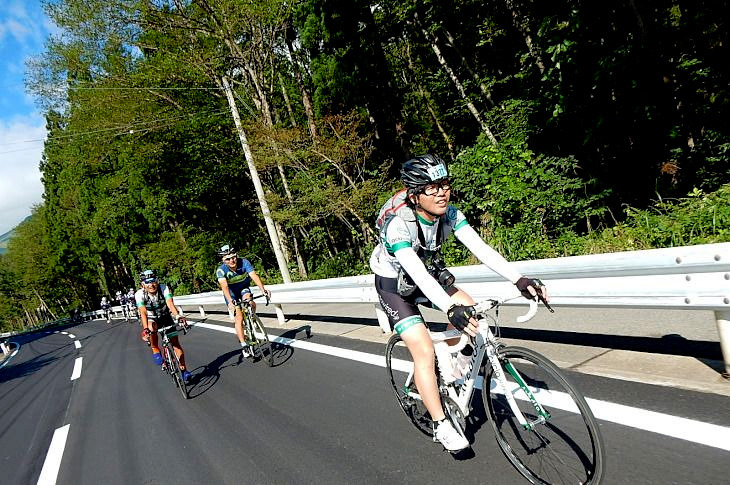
(77, 369)
(49, 473)
(686, 429)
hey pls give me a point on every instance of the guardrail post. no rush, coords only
(202, 311)
(280, 314)
(382, 319)
(723, 328)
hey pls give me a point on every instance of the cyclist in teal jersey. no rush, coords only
(234, 277)
(409, 271)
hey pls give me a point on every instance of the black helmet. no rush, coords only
(147, 274)
(225, 250)
(423, 170)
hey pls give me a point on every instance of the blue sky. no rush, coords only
(24, 29)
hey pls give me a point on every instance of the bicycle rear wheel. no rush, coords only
(399, 363)
(263, 344)
(567, 447)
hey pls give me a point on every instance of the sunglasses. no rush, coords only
(149, 280)
(232, 256)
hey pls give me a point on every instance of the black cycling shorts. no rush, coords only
(402, 311)
(163, 321)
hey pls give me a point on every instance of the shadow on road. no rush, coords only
(281, 352)
(26, 368)
(205, 377)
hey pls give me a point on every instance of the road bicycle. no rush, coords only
(254, 331)
(171, 362)
(540, 419)
(108, 314)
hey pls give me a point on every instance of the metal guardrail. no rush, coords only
(687, 277)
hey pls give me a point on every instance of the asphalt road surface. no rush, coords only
(312, 418)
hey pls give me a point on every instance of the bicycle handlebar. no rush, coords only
(483, 307)
(175, 327)
(244, 301)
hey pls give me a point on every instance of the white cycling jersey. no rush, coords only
(400, 246)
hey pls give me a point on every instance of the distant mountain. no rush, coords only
(4, 240)
(6, 237)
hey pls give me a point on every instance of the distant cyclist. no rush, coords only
(131, 304)
(409, 270)
(122, 299)
(156, 310)
(106, 308)
(234, 277)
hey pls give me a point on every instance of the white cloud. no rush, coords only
(20, 178)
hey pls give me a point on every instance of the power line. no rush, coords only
(130, 128)
(157, 88)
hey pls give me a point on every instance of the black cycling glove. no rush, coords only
(459, 315)
(524, 283)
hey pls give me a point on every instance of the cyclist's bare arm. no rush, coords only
(143, 317)
(259, 282)
(223, 283)
(173, 310)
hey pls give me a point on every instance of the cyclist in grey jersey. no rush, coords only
(408, 271)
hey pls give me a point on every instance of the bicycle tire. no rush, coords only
(263, 344)
(176, 371)
(567, 447)
(414, 409)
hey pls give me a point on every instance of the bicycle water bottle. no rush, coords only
(443, 359)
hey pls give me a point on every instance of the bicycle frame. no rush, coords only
(485, 343)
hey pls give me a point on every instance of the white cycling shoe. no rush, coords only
(445, 433)
(246, 351)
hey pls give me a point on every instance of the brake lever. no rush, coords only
(547, 305)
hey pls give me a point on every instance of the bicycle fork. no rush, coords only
(542, 414)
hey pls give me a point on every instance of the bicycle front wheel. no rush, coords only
(562, 443)
(399, 363)
(263, 344)
(176, 371)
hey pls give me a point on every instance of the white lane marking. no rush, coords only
(707, 434)
(77, 369)
(71, 335)
(49, 472)
(77, 344)
(64, 333)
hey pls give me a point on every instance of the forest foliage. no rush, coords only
(571, 127)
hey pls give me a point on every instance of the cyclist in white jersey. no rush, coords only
(409, 271)
(156, 310)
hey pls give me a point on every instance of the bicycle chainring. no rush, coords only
(453, 412)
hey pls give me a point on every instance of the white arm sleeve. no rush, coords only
(413, 265)
(488, 256)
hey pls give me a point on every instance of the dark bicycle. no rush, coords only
(171, 363)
